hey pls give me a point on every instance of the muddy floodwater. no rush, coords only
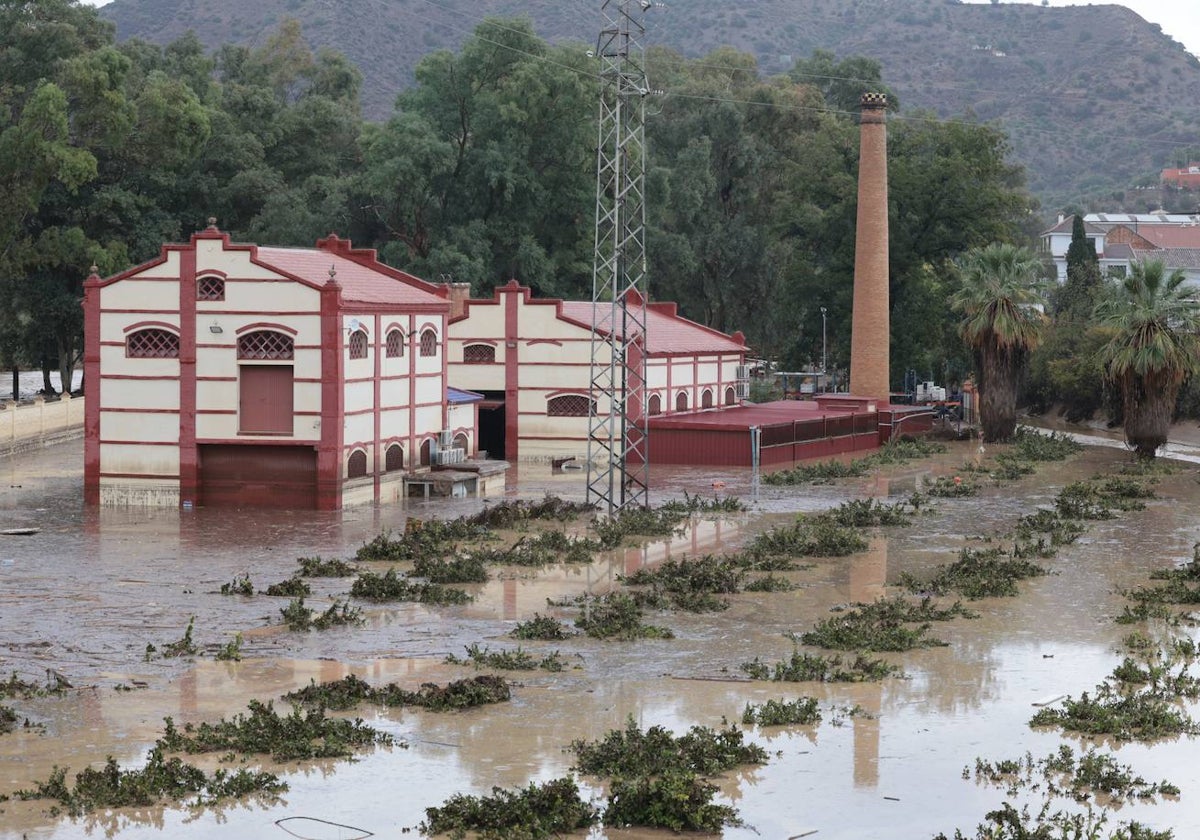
(88, 593)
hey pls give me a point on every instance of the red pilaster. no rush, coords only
(377, 448)
(333, 390)
(512, 382)
(91, 378)
(189, 465)
(413, 448)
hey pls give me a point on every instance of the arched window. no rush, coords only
(152, 344)
(426, 458)
(266, 344)
(479, 354)
(356, 466)
(681, 402)
(395, 344)
(568, 405)
(730, 396)
(460, 442)
(393, 458)
(358, 344)
(210, 288)
(428, 342)
(655, 404)
(706, 398)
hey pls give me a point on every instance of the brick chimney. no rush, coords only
(458, 294)
(869, 331)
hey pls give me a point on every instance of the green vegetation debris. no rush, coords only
(654, 522)
(161, 779)
(1078, 778)
(537, 812)
(303, 734)
(810, 536)
(883, 626)
(516, 512)
(950, 487)
(240, 585)
(802, 711)
(293, 587)
(807, 667)
(232, 651)
(899, 451)
(978, 573)
(508, 660)
(676, 801)
(617, 616)
(541, 627)
(632, 753)
(321, 568)
(391, 587)
(696, 504)
(349, 691)
(467, 568)
(184, 646)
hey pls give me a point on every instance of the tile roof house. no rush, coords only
(531, 359)
(1121, 239)
(233, 374)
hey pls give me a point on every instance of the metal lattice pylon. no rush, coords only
(618, 463)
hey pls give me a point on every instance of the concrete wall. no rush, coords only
(40, 423)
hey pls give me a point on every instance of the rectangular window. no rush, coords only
(265, 400)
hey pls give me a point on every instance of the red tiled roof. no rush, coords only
(360, 283)
(666, 332)
(1173, 236)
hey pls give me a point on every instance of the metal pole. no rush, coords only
(824, 351)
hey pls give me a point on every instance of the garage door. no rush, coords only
(258, 476)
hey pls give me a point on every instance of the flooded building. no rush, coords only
(531, 359)
(234, 374)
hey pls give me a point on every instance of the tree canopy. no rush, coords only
(484, 173)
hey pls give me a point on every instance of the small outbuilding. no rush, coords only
(235, 374)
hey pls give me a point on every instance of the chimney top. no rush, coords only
(872, 100)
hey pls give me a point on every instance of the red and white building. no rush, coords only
(233, 374)
(531, 359)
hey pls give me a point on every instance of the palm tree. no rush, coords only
(1000, 298)
(1154, 349)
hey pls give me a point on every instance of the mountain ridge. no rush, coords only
(1093, 97)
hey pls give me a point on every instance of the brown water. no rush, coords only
(87, 594)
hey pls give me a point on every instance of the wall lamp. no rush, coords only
(215, 329)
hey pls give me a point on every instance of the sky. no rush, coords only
(1179, 18)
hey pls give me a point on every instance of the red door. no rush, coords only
(258, 476)
(266, 399)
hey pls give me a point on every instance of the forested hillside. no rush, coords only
(1092, 96)
(486, 173)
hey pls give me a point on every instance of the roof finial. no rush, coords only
(212, 222)
(332, 274)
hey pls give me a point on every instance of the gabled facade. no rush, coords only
(233, 374)
(531, 359)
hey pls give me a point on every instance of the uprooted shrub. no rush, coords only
(807, 667)
(617, 616)
(883, 625)
(319, 567)
(678, 801)
(161, 779)
(801, 711)
(977, 573)
(349, 691)
(298, 735)
(539, 811)
(515, 512)
(507, 660)
(631, 752)
(391, 587)
(810, 536)
(541, 627)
